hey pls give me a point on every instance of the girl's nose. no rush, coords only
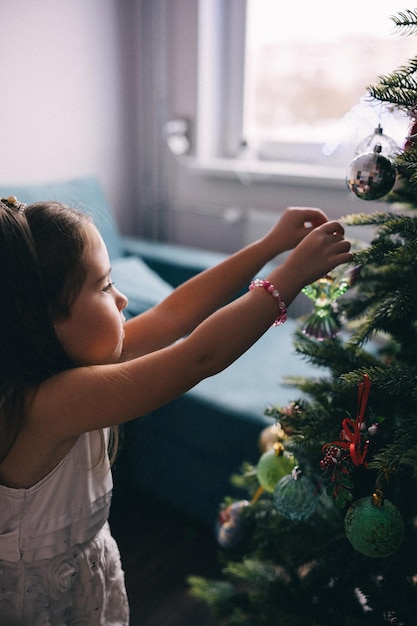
(121, 300)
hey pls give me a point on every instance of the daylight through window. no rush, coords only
(307, 68)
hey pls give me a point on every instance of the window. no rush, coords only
(307, 68)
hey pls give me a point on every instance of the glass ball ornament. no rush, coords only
(388, 145)
(270, 436)
(273, 465)
(371, 175)
(230, 529)
(374, 526)
(294, 496)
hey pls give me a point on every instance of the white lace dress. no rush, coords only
(59, 565)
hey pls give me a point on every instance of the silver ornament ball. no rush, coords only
(371, 175)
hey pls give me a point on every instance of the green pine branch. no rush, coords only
(392, 380)
(406, 163)
(401, 452)
(406, 22)
(334, 354)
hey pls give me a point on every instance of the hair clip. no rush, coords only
(12, 204)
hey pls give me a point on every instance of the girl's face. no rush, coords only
(93, 333)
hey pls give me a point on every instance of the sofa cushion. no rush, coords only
(257, 379)
(139, 283)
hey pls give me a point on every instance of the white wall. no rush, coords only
(62, 93)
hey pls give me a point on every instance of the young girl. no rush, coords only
(71, 367)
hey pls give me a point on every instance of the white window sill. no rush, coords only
(249, 171)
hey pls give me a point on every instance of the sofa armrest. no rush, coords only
(173, 262)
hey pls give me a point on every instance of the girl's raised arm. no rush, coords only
(196, 299)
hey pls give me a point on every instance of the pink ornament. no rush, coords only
(229, 527)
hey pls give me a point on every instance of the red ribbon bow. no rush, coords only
(352, 429)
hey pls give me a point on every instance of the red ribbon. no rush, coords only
(352, 429)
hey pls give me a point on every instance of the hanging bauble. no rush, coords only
(294, 496)
(324, 322)
(371, 175)
(273, 465)
(230, 529)
(388, 145)
(270, 436)
(374, 526)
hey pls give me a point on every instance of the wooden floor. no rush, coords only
(159, 549)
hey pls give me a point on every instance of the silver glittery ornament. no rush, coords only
(371, 175)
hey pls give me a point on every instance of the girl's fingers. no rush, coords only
(333, 228)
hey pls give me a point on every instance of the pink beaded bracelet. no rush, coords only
(258, 282)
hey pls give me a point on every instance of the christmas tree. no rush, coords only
(326, 531)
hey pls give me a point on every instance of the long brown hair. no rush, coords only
(41, 275)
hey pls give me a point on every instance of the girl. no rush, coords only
(71, 368)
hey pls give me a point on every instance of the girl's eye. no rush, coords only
(108, 286)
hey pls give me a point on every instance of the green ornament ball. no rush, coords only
(294, 496)
(374, 526)
(273, 466)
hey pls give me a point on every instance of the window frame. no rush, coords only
(220, 147)
(220, 81)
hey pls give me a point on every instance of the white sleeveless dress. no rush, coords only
(59, 565)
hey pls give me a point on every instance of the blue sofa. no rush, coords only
(185, 452)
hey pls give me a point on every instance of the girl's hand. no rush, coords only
(294, 224)
(321, 251)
